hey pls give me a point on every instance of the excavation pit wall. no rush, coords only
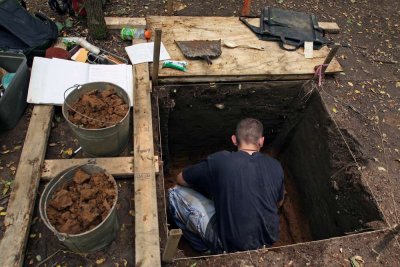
(326, 196)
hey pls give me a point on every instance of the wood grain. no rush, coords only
(23, 195)
(116, 23)
(238, 62)
(119, 167)
(147, 239)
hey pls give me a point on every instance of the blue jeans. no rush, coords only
(192, 212)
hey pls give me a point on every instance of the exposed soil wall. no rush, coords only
(326, 175)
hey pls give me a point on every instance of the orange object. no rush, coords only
(147, 35)
(246, 8)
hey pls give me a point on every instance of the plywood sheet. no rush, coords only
(234, 64)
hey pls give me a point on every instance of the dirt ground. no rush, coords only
(364, 100)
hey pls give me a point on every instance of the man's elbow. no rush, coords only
(180, 180)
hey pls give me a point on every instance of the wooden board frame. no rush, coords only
(239, 64)
(147, 238)
(119, 167)
(29, 171)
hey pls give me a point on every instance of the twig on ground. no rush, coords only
(48, 258)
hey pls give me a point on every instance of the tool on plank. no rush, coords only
(200, 49)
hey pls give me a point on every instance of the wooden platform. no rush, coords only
(237, 64)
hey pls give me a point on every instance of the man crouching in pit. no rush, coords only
(245, 189)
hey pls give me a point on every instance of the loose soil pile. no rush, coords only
(83, 204)
(100, 109)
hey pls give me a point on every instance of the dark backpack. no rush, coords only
(288, 28)
(22, 32)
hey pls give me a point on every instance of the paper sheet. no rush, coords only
(118, 74)
(308, 49)
(141, 53)
(50, 78)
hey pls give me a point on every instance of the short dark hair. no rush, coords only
(249, 130)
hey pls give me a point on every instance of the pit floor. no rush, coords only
(294, 225)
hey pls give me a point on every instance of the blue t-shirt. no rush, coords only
(246, 189)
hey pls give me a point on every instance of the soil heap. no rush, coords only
(100, 109)
(82, 204)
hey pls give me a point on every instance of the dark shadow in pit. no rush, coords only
(326, 196)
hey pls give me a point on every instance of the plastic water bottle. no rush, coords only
(134, 33)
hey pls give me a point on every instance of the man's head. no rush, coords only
(249, 132)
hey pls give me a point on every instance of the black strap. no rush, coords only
(295, 45)
(252, 27)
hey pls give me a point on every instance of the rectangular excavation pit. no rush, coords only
(326, 196)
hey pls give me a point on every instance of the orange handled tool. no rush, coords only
(246, 8)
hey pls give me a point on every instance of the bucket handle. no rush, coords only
(77, 87)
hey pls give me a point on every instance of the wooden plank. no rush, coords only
(147, 240)
(329, 27)
(156, 57)
(228, 78)
(233, 62)
(23, 196)
(118, 167)
(116, 23)
(172, 245)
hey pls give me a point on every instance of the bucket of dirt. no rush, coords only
(79, 207)
(98, 114)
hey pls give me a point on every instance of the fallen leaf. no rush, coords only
(357, 91)
(178, 6)
(67, 152)
(17, 148)
(334, 110)
(5, 152)
(2, 208)
(68, 23)
(193, 264)
(52, 144)
(32, 235)
(356, 261)
(381, 169)
(350, 83)
(3, 213)
(59, 25)
(125, 262)
(100, 261)
(398, 84)
(38, 258)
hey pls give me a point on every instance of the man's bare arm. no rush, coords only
(180, 180)
(280, 203)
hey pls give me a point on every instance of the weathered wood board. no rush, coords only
(23, 196)
(116, 166)
(234, 64)
(147, 238)
(116, 23)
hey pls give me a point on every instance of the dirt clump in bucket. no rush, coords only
(98, 109)
(82, 204)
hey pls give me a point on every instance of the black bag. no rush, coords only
(288, 28)
(22, 32)
(61, 6)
